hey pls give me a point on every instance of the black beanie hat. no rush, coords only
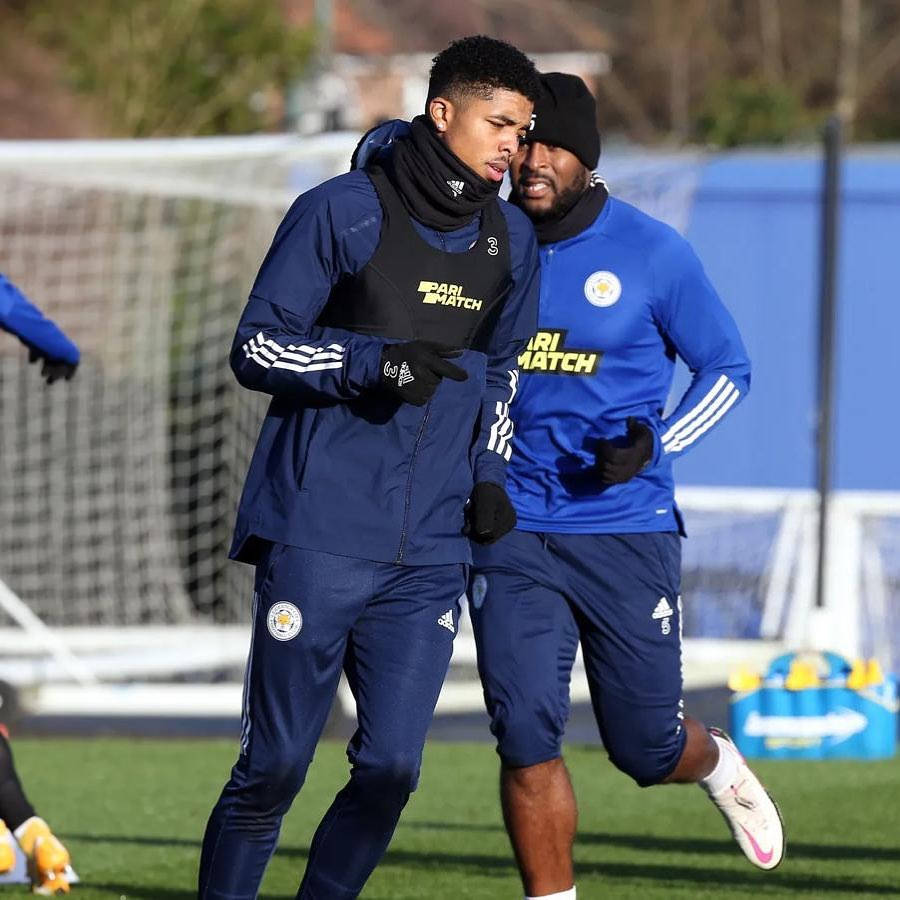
(565, 115)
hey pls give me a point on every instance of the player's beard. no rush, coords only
(574, 209)
(562, 203)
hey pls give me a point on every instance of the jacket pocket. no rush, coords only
(308, 440)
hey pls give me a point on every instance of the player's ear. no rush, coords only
(441, 111)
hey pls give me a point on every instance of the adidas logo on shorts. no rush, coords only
(663, 610)
(446, 621)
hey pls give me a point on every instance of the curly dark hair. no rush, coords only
(477, 65)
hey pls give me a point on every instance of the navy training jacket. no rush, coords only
(336, 467)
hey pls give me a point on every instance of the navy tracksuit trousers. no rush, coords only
(391, 629)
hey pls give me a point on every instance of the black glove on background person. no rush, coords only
(52, 369)
(412, 371)
(489, 514)
(619, 461)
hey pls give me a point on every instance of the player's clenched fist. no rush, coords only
(52, 369)
(619, 461)
(489, 513)
(413, 370)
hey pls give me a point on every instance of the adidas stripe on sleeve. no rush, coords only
(501, 430)
(707, 339)
(702, 417)
(297, 358)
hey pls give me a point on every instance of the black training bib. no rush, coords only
(410, 290)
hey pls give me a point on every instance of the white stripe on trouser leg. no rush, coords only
(245, 701)
(697, 410)
(680, 657)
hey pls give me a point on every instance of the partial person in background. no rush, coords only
(596, 554)
(385, 322)
(46, 343)
(46, 858)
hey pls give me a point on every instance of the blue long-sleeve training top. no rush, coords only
(19, 316)
(618, 303)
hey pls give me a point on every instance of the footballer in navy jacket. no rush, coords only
(385, 322)
(595, 558)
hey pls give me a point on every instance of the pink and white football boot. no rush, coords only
(750, 812)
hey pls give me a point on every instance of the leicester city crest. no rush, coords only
(284, 621)
(479, 590)
(602, 288)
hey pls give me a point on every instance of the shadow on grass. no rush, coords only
(135, 840)
(663, 873)
(795, 849)
(156, 893)
(654, 843)
(133, 892)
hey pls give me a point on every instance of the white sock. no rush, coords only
(724, 773)
(559, 895)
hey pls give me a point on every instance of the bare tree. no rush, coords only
(848, 64)
(770, 33)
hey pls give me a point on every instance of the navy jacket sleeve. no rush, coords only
(22, 318)
(330, 231)
(691, 315)
(516, 326)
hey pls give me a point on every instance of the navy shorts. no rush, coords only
(533, 597)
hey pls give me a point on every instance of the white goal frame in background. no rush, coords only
(124, 671)
(245, 184)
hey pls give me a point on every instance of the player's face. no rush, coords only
(547, 180)
(484, 134)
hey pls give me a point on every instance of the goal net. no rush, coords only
(118, 489)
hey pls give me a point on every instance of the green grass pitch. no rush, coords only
(132, 813)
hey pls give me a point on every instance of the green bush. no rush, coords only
(176, 67)
(745, 111)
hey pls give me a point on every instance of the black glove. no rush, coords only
(413, 370)
(52, 369)
(489, 514)
(620, 460)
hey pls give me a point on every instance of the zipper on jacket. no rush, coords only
(408, 496)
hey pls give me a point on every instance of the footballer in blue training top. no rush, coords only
(46, 342)
(48, 861)
(595, 558)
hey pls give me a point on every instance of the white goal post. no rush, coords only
(118, 489)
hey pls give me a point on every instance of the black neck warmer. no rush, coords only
(580, 215)
(436, 187)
